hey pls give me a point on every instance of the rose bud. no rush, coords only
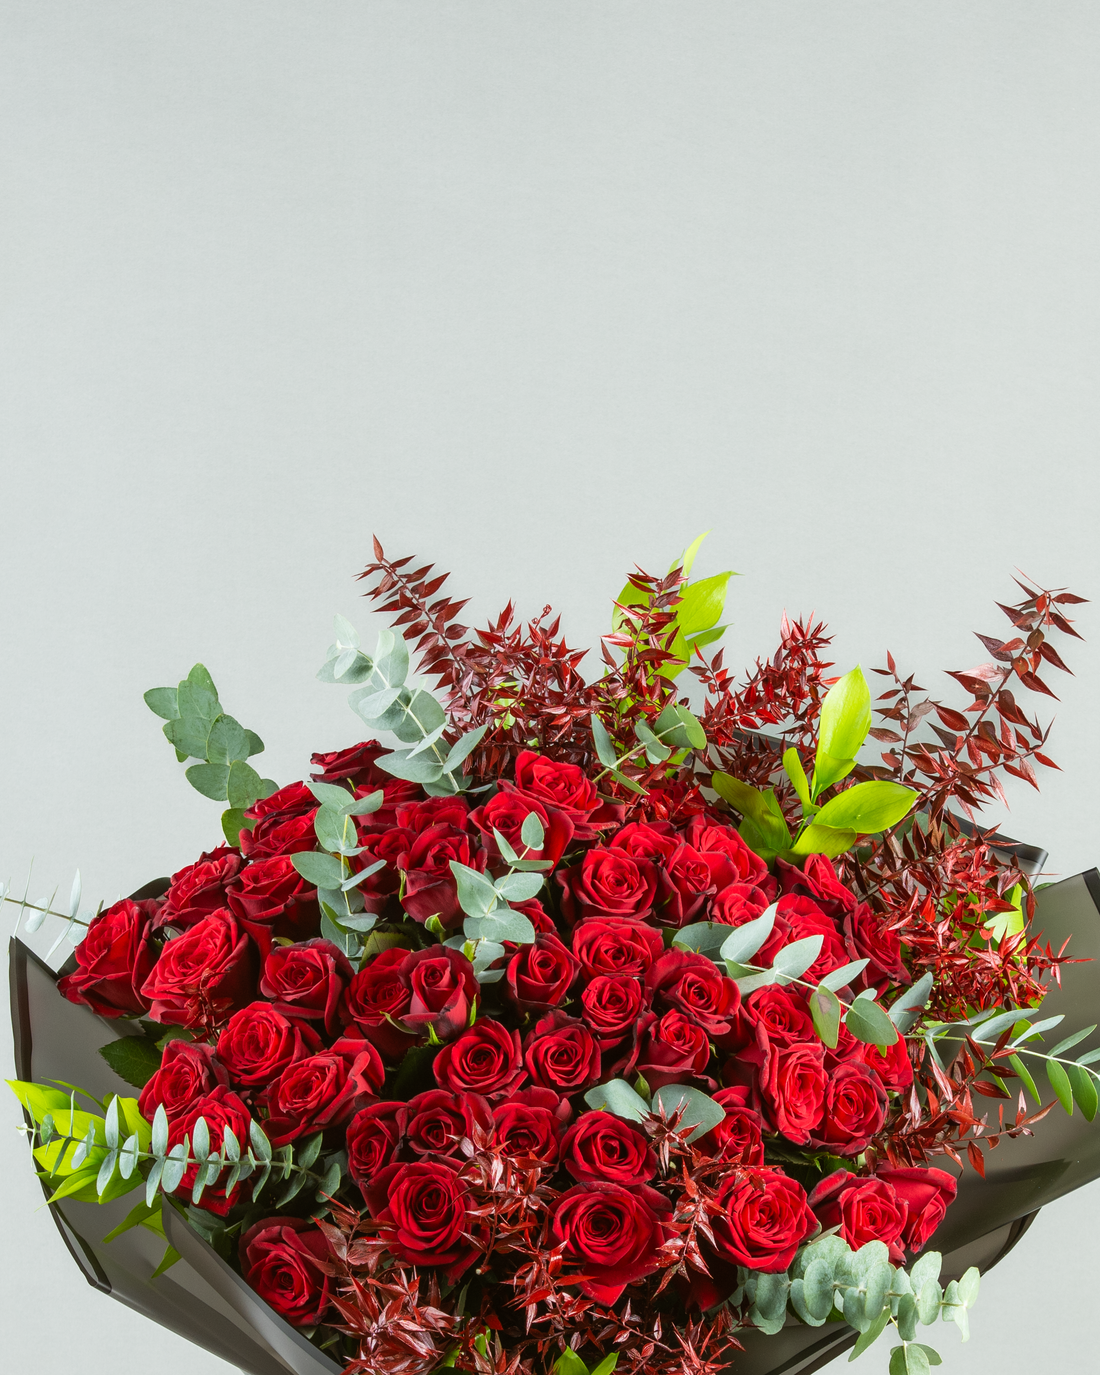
(600, 1147)
(926, 1194)
(611, 1234)
(611, 1004)
(307, 980)
(615, 946)
(608, 883)
(864, 1209)
(529, 1125)
(682, 981)
(113, 961)
(423, 1211)
(373, 1136)
(647, 840)
(560, 1054)
(258, 1043)
(442, 988)
(199, 889)
(322, 1091)
(540, 975)
(855, 1109)
(892, 1065)
(188, 1071)
(220, 1108)
(270, 898)
(794, 1088)
(437, 1121)
(355, 765)
(764, 1219)
(376, 998)
(485, 1059)
(203, 974)
(281, 1260)
(669, 1050)
(506, 813)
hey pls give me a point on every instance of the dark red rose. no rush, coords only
(610, 1006)
(485, 1059)
(926, 1194)
(279, 835)
(270, 898)
(805, 918)
(430, 888)
(893, 1065)
(739, 1136)
(690, 879)
(647, 840)
(540, 974)
(867, 937)
(377, 997)
(281, 1259)
(307, 980)
(669, 1050)
(506, 813)
(529, 1125)
(561, 1054)
(719, 839)
(322, 1091)
(783, 1013)
(355, 765)
(817, 880)
(113, 962)
(794, 1089)
(600, 1147)
(855, 1109)
(293, 800)
(389, 845)
(442, 987)
(258, 1043)
(612, 1234)
(373, 1136)
(864, 1210)
(685, 982)
(437, 1121)
(608, 883)
(419, 817)
(847, 1048)
(423, 1212)
(206, 972)
(566, 788)
(199, 889)
(220, 1108)
(188, 1071)
(764, 1220)
(614, 946)
(738, 903)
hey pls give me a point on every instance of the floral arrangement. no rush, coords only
(583, 1029)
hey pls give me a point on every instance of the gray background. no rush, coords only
(534, 290)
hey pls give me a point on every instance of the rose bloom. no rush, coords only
(506, 813)
(113, 961)
(893, 1066)
(647, 840)
(865, 1209)
(376, 998)
(783, 1013)
(607, 945)
(437, 1121)
(610, 1005)
(739, 1135)
(283, 824)
(430, 888)
(485, 1059)
(600, 1147)
(322, 1091)
(794, 1089)
(281, 1259)
(307, 980)
(258, 1043)
(220, 1108)
(188, 1071)
(529, 1125)
(422, 1209)
(442, 989)
(926, 1194)
(805, 918)
(355, 765)
(817, 880)
(669, 1050)
(270, 898)
(561, 1054)
(389, 846)
(613, 1234)
(210, 968)
(565, 787)
(199, 889)
(720, 839)
(855, 1109)
(373, 1135)
(608, 883)
(690, 879)
(866, 937)
(540, 975)
(683, 981)
(764, 1220)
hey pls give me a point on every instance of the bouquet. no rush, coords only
(596, 1025)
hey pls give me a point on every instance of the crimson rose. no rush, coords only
(864, 1209)
(560, 1054)
(926, 1194)
(373, 1136)
(188, 1071)
(615, 946)
(281, 1259)
(258, 1043)
(307, 980)
(855, 1109)
(529, 1123)
(220, 1108)
(199, 889)
(764, 1220)
(485, 1059)
(540, 975)
(270, 898)
(113, 961)
(202, 973)
(610, 1007)
(613, 1234)
(600, 1147)
(322, 1091)
(608, 883)
(422, 1208)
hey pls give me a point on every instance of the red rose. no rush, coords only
(540, 974)
(705, 836)
(731, 909)
(926, 1194)
(653, 840)
(199, 889)
(220, 1108)
(867, 938)
(389, 845)
(442, 989)
(536, 914)
(485, 1059)
(613, 946)
(689, 881)
(377, 997)
(794, 1090)
(258, 1043)
(600, 1147)
(694, 985)
(610, 1006)
(293, 800)
(283, 824)
(422, 1208)
(669, 1050)
(739, 1135)
(855, 1109)
(893, 1065)
(307, 980)
(566, 788)
(864, 1209)
(281, 1259)
(560, 1054)
(430, 888)
(437, 1121)
(608, 883)
(270, 898)
(783, 1013)
(764, 1220)
(506, 813)
(188, 1071)
(113, 961)
(805, 918)
(613, 1234)
(202, 974)
(322, 1091)
(355, 765)
(373, 1135)
(528, 1125)
(817, 880)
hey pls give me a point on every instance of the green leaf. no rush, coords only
(504, 924)
(1025, 1076)
(1083, 1086)
(519, 887)
(872, 1334)
(1059, 1082)
(163, 701)
(933, 1357)
(817, 1289)
(744, 941)
(617, 1097)
(420, 769)
(655, 751)
(463, 747)
(171, 1255)
(825, 1011)
(916, 1362)
(189, 735)
(817, 839)
(531, 832)
(868, 1023)
(1070, 1041)
(867, 808)
(842, 728)
(323, 871)
(138, 1216)
(38, 1099)
(792, 763)
(243, 786)
(701, 604)
(569, 1363)
(607, 1365)
(335, 831)
(897, 1361)
(761, 808)
(605, 747)
(476, 894)
(210, 780)
(905, 1010)
(227, 741)
(135, 1059)
(255, 744)
(836, 979)
(700, 1112)
(233, 823)
(792, 961)
(704, 937)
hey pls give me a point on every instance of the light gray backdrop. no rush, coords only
(534, 290)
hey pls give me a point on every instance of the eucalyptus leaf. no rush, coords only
(210, 779)
(744, 941)
(476, 894)
(792, 961)
(605, 747)
(323, 871)
(868, 1023)
(421, 769)
(699, 1111)
(531, 832)
(618, 1098)
(837, 979)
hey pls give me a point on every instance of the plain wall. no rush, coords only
(536, 291)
